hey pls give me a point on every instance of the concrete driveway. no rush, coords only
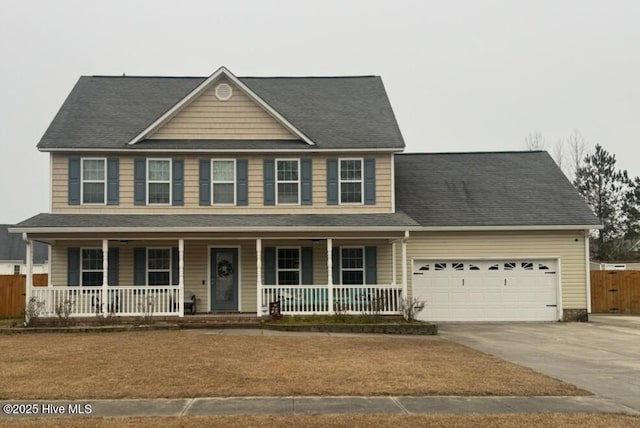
(602, 356)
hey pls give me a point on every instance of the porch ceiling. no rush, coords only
(74, 223)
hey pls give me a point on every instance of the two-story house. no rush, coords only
(245, 191)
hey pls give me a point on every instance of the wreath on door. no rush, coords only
(225, 268)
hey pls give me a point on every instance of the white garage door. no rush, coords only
(477, 290)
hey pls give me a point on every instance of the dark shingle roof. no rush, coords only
(12, 247)
(487, 189)
(229, 222)
(335, 112)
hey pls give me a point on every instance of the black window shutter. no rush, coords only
(242, 173)
(113, 181)
(335, 268)
(205, 182)
(175, 266)
(270, 265)
(269, 177)
(139, 266)
(306, 175)
(114, 266)
(177, 182)
(370, 181)
(332, 182)
(73, 266)
(307, 265)
(371, 265)
(74, 181)
(140, 181)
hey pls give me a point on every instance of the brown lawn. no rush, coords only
(175, 364)
(578, 420)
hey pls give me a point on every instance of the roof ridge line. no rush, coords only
(489, 152)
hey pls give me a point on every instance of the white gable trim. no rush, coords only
(222, 71)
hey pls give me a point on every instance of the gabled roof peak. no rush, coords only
(206, 84)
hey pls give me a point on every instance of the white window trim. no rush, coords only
(82, 181)
(83, 270)
(234, 182)
(298, 181)
(340, 181)
(148, 181)
(147, 270)
(17, 268)
(364, 264)
(299, 270)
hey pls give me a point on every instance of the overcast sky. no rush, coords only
(461, 75)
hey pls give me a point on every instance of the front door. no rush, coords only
(224, 279)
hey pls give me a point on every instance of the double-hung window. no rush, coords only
(91, 272)
(94, 181)
(158, 266)
(351, 182)
(288, 266)
(159, 181)
(223, 184)
(288, 181)
(352, 265)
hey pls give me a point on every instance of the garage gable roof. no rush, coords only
(489, 189)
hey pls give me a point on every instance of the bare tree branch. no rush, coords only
(578, 147)
(558, 156)
(534, 141)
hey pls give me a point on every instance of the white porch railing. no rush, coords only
(347, 299)
(115, 300)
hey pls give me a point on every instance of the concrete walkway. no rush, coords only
(316, 405)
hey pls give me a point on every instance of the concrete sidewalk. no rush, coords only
(290, 405)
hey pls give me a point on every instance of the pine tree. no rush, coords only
(631, 211)
(605, 190)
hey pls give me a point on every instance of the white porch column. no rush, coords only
(404, 265)
(394, 263)
(181, 277)
(258, 277)
(29, 261)
(330, 275)
(105, 277)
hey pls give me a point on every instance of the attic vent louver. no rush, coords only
(223, 92)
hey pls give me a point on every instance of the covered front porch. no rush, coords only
(154, 275)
